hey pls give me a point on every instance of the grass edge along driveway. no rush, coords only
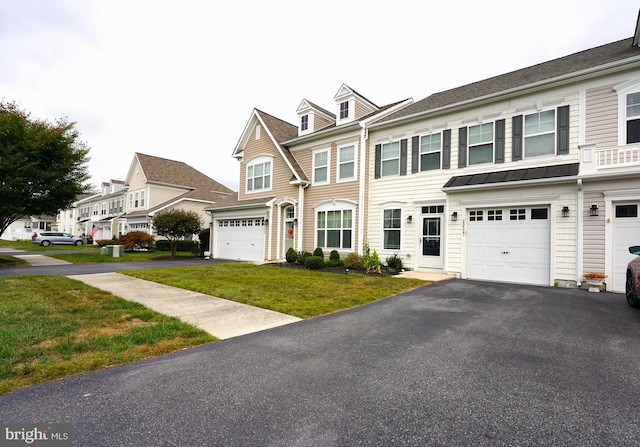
(53, 327)
(297, 292)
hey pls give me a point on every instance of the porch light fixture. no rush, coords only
(295, 221)
(454, 216)
(266, 221)
(593, 211)
(409, 218)
(565, 211)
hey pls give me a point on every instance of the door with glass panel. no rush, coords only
(431, 237)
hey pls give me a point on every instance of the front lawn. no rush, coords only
(301, 293)
(82, 258)
(53, 327)
(10, 261)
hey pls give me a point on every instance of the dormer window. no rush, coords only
(344, 110)
(304, 122)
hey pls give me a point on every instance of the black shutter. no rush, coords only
(377, 162)
(563, 130)
(499, 155)
(446, 149)
(403, 157)
(516, 138)
(415, 154)
(462, 147)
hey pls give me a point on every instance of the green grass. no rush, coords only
(302, 293)
(53, 327)
(83, 258)
(10, 261)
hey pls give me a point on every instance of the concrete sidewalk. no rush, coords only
(40, 260)
(221, 318)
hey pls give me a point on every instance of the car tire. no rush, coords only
(630, 291)
(78, 243)
(45, 243)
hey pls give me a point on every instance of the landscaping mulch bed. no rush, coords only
(339, 269)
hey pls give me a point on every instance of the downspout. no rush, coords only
(580, 232)
(300, 215)
(364, 136)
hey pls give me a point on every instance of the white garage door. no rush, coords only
(241, 239)
(509, 245)
(626, 232)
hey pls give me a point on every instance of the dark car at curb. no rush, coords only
(632, 284)
(46, 238)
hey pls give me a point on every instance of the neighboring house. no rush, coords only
(500, 176)
(301, 186)
(152, 184)
(23, 228)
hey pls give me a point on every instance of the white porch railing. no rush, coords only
(593, 159)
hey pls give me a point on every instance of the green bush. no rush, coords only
(371, 260)
(314, 262)
(353, 261)
(334, 263)
(318, 252)
(334, 255)
(291, 255)
(204, 236)
(103, 242)
(395, 262)
(190, 246)
(302, 255)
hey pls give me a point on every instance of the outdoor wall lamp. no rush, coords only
(454, 216)
(593, 211)
(565, 211)
(409, 218)
(295, 221)
(266, 221)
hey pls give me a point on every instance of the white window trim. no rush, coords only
(623, 90)
(260, 159)
(382, 160)
(524, 135)
(493, 142)
(336, 205)
(313, 162)
(355, 162)
(420, 151)
(401, 229)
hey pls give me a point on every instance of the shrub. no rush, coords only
(353, 261)
(395, 262)
(204, 236)
(371, 261)
(334, 255)
(318, 252)
(291, 255)
(302, 255)
(190, 246)
(314, 262)
(103, 242)
(136, 240)
(334, 263)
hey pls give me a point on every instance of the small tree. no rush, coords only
(43, 165)
(175, 225)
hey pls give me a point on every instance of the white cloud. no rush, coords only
(180, 79)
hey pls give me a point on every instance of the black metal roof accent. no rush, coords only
(514, 175)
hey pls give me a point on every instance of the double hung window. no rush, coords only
(633, 117)
(321, 167)
(540, 134)
(259, 176)
(392, 223)
(334, 229)
(430, 152)
(481, 144)
(346, 162)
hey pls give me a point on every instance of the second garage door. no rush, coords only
(241, 239)
(509, 245)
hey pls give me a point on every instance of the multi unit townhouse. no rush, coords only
(152, 184)
(24, 227)
(527, 177)
(301, 186)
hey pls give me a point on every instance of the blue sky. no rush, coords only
(180, 79)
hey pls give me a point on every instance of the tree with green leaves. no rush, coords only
(175, 225)
(43, 165)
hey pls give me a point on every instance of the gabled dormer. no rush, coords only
(351, 106)
(312, 118)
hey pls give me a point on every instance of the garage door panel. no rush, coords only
(508, 250)
(241, 239)
(626, 232)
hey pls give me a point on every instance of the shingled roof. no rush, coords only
(177, 173)
(556, 68)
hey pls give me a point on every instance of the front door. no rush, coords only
(431, 241)
(289, 230)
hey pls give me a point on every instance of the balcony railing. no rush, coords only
(620, 156)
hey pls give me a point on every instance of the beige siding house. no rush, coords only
(301, 186)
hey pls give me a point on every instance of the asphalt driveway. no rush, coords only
(457, 363)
